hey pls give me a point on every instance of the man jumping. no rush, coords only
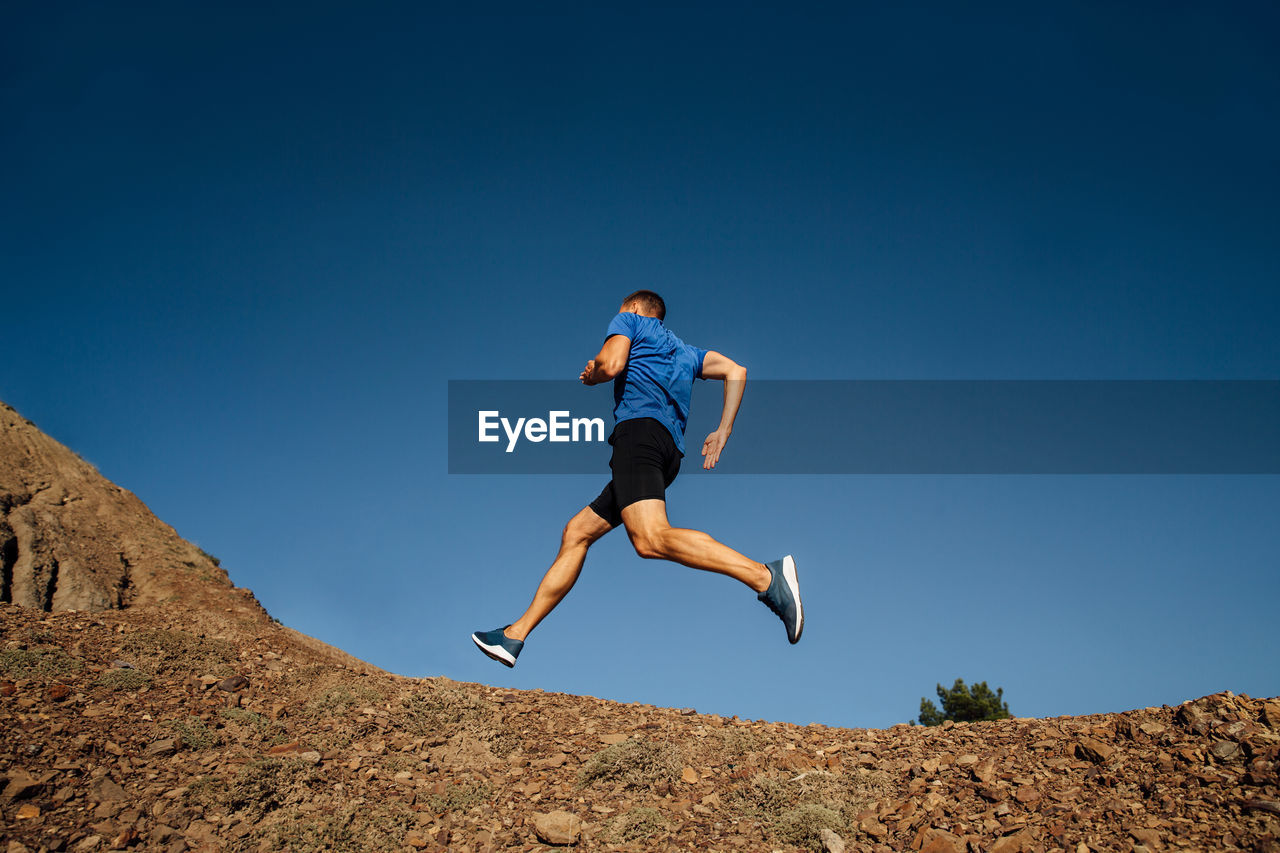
(652, 372)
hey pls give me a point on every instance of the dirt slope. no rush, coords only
(169, 712)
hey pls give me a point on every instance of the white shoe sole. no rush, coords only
(498, 653)
(793, 583)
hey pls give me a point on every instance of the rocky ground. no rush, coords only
(170, 712)
(122, 730)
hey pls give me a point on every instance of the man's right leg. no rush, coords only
(579, 534)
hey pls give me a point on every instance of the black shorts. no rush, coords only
(645, 461)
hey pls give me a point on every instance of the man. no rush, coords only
(653, 372)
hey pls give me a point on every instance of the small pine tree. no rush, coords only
(963, 704)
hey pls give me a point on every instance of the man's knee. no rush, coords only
(648, 544)
(582, 530)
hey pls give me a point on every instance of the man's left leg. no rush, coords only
(776, 583)
(654, 538)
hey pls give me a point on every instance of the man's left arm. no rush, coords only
(718, 366)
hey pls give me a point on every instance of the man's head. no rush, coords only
(646, 303)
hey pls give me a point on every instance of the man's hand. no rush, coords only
(719, 366)
(587, 371)
(712, 446)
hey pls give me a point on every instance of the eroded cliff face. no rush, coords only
(72, 540)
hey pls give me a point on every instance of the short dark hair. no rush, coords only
(650, 301)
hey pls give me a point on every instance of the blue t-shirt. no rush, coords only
(658, 379)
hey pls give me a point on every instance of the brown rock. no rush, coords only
(1225, 750)
(286, 748)
(416, 841)
(1259, 805)
(1018, 842)
(557, 827)
(233, 683)
(831, 842)
(1026, 795)
(160, 748)
(27, 811)
(873, 827)
(1094, 750)
(1149, 838)
(689, 775)
(941, 841)
(21, 785)
(104, 790)
(984, 770)
(58, 692)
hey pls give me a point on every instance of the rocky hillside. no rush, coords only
(72, 540)
(147, 704)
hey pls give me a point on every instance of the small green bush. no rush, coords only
(635, 763)
(266, 785)
(179, 651)
(254, 725)
(352, 829)
(637, 824)
(38, 663)
(445, 711)
(764, 797)
(207, 791)
(459, 797)
(787, 803)
(194, 734)
(123, 680)
(339, 700)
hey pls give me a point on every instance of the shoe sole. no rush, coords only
(793, 583)
(498, 653)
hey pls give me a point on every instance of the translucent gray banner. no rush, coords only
(892, 427)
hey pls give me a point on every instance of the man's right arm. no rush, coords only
(609, 363)
(719, 366)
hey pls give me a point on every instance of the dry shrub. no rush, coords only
(442, 711)
(267, 785)
(459, 797)
(180, 652)
(340, 699)
(194, 734)
(243, 724)
(797, 807)
(38, 663)
(351, 829)
(635, 763)
(123, 680)
(803, 825)
(637, 824)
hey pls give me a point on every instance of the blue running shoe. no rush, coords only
(498, 645)
(783, 596)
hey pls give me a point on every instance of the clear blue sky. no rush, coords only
(242, 250)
